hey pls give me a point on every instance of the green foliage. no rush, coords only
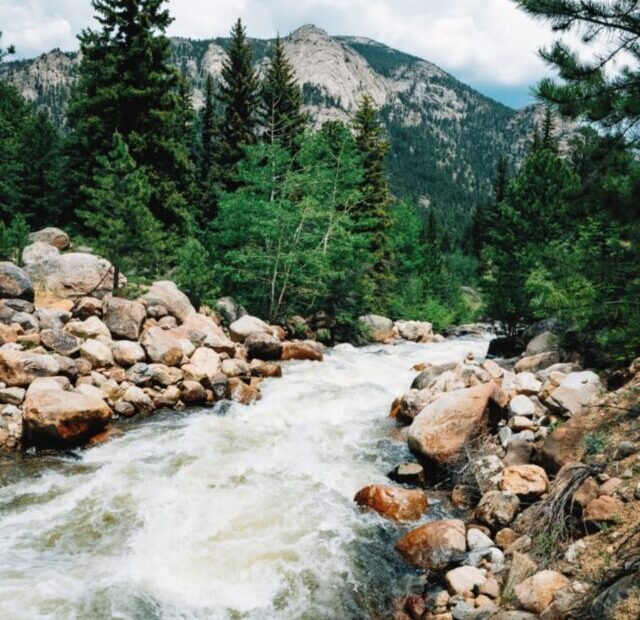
(281, 100)
(13, 238)
(589, 89)
(117, 216)
(194, 273)
(238, 95)
(286, 233)
(371, 216)
(595, 443)
(127, 85)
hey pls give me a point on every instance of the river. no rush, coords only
(222, 514)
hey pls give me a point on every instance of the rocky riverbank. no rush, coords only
(540, 467)
(74, 358)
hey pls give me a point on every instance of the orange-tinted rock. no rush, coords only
(524, 480)
(433, 545)
(587, 491)
(111, 432)
(603, 509)
(394, 503)
(535, 594)
(243, 393)
(298, 350)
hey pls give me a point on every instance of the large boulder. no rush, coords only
(546, 341)
(61, 342)
(92, 327)
(534, 363)
(263, 346)
(203, 331)
(165, 293)
(535, 594)
(497, 509)
(39, 252)
(434, 545)
(376, 328)
(162, 347)
(576, 391)
(246, 325)
(20, 368)
(51, 236)
(442, 430)
(416, 331)
(395, 503)
(229, 309)
(58, 418)
(123, 318)
(15, 282)
(71, 276)
(207, 362)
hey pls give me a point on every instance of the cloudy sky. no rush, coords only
(487, 43)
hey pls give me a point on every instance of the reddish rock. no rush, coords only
(433, 545)
(524, 480)
(603, 509)
(109, 433)
(535, 594)
(243, 393)
(395, 503)
(298, 350)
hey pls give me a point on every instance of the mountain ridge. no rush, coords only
(445, 136)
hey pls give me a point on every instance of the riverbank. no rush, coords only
(540, 467)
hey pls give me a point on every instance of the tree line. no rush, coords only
(244, 197)
(562, 237)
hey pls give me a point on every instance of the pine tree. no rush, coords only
(209, 143)
(372, 215)
(117, 215)
(588, 89)
(128, 85)
(238, 94)
(281, 100)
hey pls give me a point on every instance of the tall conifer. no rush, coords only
(238, 94)
(281, 100)
(372, 215)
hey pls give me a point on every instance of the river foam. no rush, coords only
(224, 514)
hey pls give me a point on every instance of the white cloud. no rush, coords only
(483, 41)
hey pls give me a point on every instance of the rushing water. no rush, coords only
(226, 513)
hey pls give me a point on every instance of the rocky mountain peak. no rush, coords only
(308, 32)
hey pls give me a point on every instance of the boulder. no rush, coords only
(409, 473)
(15, 283)
(409, 405)
(376, 328)
(299, 350)
(123, 318)
(52, 318)
(71, 276)
(61, 342)
(394, 503)
(12, 396)
(575, 392)
(522, 405)
(39, 252)
(236, 368)
(464, 579)
(139, 374)
(536, 593)
(441, 431)
(96, 352)
(478, 540)
(203, 331)
(90, 390)
(242, 393)
(526, 383)
(245, 326)
(534, 363)
(434, 545)
(565, 445)
(127, 353)
(20, 368)
(207, 362)
(193, 393)
(263, 346)
(137, 397)
(603, 509)
(166, 293)
(415, 331)
(519, 452)
(51, 236)
(92, 327)
(546, 341)
(525, 481)
(497, 509)
(430, 374)
(55, 418)
(164, 375)
(86, 307)
(266, 370)
(229, 309)
(162, 346)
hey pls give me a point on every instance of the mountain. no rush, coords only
(445, 136)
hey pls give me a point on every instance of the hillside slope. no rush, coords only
(446, 137)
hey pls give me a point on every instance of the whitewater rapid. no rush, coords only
(222, 514)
